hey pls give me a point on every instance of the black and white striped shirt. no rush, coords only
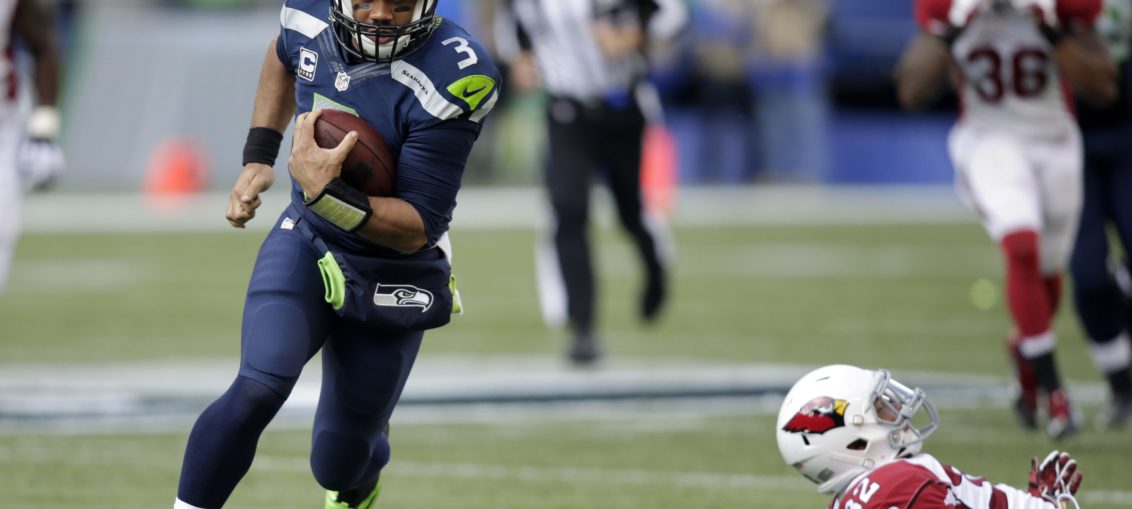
(559, 34)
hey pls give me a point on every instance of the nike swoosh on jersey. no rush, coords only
(472, 89)
(469, 92)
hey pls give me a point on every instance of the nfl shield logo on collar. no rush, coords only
(342, 82)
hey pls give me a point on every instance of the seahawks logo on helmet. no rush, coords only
(402, 296)
(818, 416)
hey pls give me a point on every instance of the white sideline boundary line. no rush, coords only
(156, 396)
(517, 208)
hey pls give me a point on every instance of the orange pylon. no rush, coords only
(177, 169)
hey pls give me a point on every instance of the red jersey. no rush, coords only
(922, 482)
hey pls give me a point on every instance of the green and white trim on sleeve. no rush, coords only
(472, 89)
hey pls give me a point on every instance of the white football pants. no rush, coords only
(1018, 182)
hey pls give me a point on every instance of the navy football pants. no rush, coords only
(1108, 186)
(286, 321)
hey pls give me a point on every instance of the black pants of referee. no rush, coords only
(602, 142)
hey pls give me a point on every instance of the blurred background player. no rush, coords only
(590, 57)
(29, 151)
(1102, 305)
(858, 434)
(793, 109)
(320, 279)
(1016, 150)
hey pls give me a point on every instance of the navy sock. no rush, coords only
(1120, 382)
(1046, 371)
(223, 441)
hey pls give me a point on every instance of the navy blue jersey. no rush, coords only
(428, 106)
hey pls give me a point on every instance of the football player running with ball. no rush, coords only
(1017, 152)
(358, 277)
(857, 434)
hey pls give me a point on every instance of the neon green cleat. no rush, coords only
(334, 500)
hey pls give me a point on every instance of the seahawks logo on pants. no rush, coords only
(402, 296)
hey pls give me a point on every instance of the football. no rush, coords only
(369, 166)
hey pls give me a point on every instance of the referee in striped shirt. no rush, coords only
(590, 57)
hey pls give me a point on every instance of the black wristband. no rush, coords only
(342, 205)
(262, 146)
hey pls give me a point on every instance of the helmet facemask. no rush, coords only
(898, 406)
(360, 39)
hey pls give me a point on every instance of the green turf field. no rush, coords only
(876, 295)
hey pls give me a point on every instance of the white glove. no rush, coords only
(40, 157)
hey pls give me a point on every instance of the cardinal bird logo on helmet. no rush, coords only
(818, 416)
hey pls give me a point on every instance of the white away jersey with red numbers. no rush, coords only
(922, 482)
(1008, 76)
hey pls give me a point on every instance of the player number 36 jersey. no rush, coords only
(922, 482)
(1008, 76)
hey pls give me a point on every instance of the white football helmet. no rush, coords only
(839, 421)
(361, 39)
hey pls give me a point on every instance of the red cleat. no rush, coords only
(1062, 418)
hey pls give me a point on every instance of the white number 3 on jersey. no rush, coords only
(462, 47)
